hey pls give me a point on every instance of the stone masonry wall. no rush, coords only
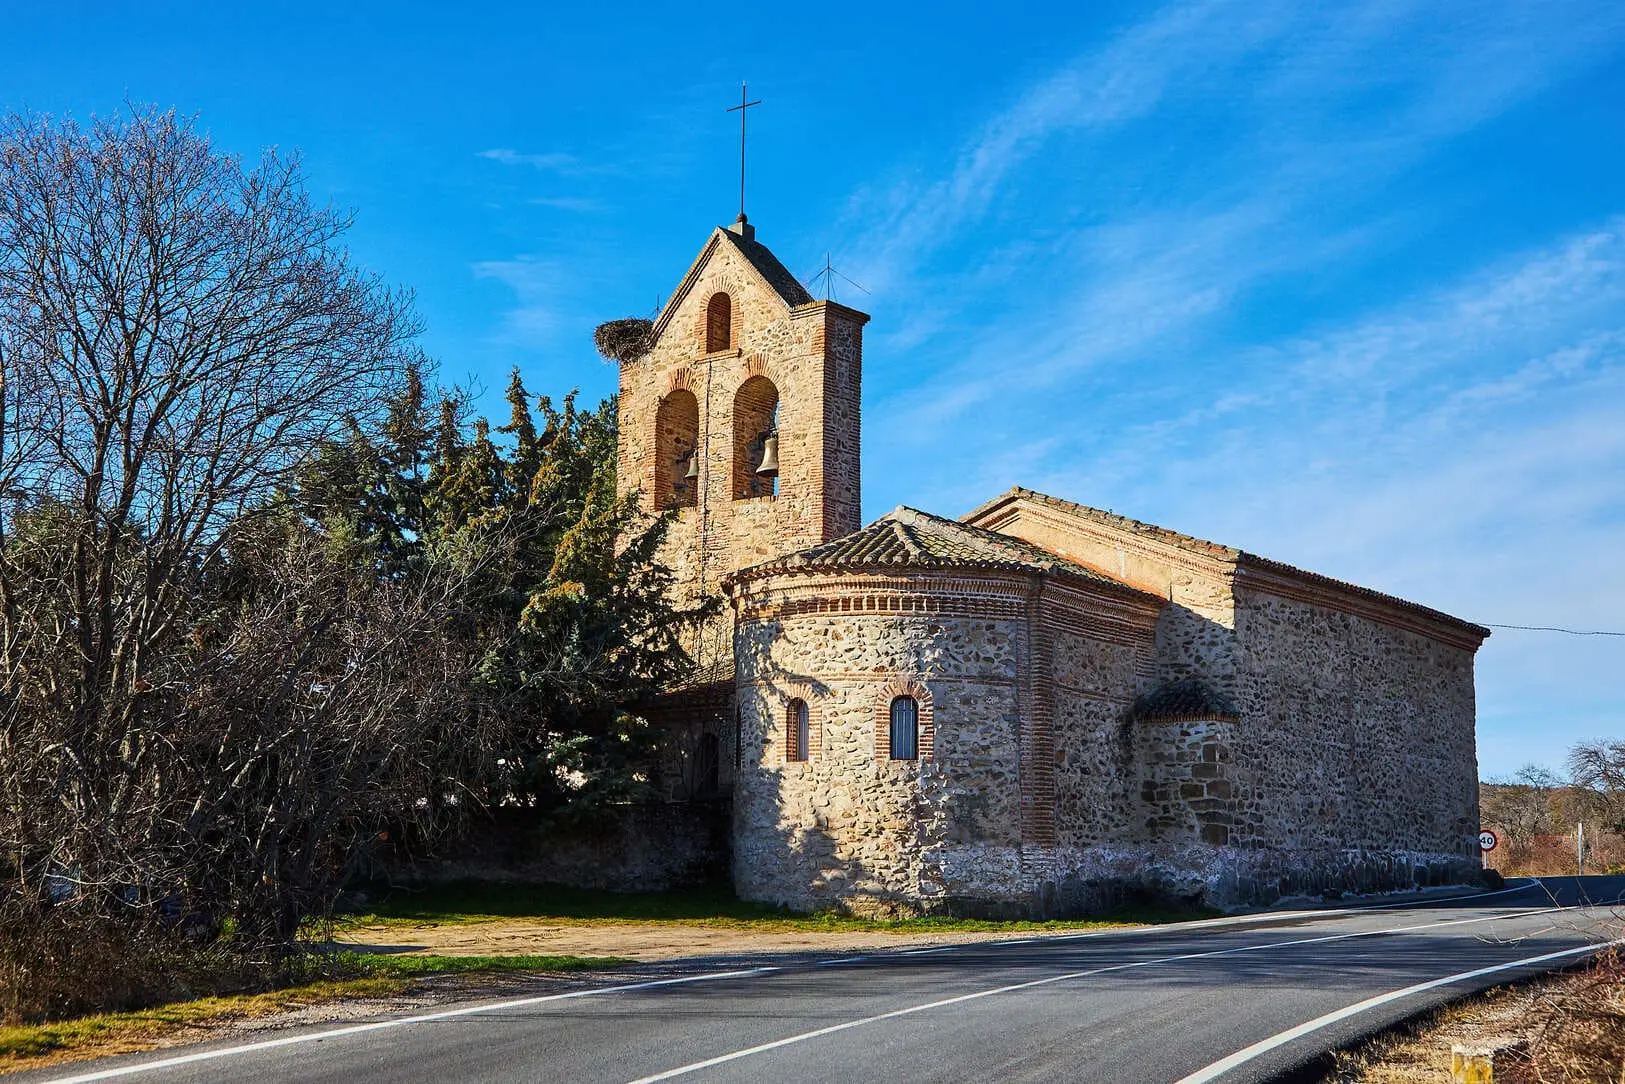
(1359, 736)
(851, 829)
(1024, 681)
(812, 357)
(1100, 661)
(1353, 765)
(1196, 631)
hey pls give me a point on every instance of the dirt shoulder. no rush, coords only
(1564, 1027)
(644, 942)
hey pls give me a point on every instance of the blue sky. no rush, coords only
(1343, 285)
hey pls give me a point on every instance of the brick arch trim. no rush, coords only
(726, 287)
(756, 364)
(788, 695)
(904, 686)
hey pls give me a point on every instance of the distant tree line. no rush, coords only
(267, 595)
(1531, 807)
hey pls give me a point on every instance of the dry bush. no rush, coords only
(1553, 855)
(1581, 1036)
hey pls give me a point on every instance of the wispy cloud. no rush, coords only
(1125, 288)
(568, 203)
(1284, 189)
(555, 162)
(536, 284)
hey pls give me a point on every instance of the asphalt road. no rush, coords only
(1199, 1001)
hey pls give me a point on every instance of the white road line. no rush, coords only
(722, 1059)
(1241, 1057)
(1264, 917)
(354, 1029)
(379, 1025)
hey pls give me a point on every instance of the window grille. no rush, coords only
(905, 728)
(799, 732)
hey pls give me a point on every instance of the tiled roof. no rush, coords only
(1242, 558)
(910, 538)
(768, 266)
(1111, 519)
(1188, 699)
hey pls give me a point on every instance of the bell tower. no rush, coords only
(742, 418)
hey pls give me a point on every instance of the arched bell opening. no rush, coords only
(677, 455)
(756, 439)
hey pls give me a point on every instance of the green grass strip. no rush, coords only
(458, 903)
(370, 975)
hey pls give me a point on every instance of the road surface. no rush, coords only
(1228, 1000)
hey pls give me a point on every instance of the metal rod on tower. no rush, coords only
(742, 108)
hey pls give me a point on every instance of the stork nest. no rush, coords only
(623, 340)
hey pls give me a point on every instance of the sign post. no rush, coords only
(1487, 842)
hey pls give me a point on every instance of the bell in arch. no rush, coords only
(693, 471)
(769, 467)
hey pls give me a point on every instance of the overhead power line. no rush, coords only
(1550, 628)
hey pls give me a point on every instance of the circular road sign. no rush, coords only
(1487, 840)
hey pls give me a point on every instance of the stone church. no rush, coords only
(1039, 708)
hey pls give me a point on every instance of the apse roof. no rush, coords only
(909, 538)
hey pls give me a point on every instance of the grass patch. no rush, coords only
(465, 902)
(363, 974)
(131, 1030)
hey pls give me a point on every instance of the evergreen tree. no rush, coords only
(568, 607)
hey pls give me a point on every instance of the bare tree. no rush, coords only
(1598, 770)
(204, 707)
(1522, 807)
(176, 332)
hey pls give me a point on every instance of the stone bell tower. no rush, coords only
(743, 362)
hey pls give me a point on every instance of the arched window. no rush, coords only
(718, 323)
(905, 728)
(677, 456)
(707, 766)
(756, 429)
(798, 731)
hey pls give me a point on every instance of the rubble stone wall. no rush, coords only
(1358, 735)
(846, 828)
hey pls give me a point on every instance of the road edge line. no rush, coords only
(392, 1022)
(1264, 1046)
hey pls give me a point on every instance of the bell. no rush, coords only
(693, 471)
(770, 456)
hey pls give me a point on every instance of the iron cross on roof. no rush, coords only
(743, 106)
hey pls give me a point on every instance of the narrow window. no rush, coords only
(708, 766)
(718, 324)
(798, 732)
(905, 728)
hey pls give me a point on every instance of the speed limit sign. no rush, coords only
(1487, 840)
